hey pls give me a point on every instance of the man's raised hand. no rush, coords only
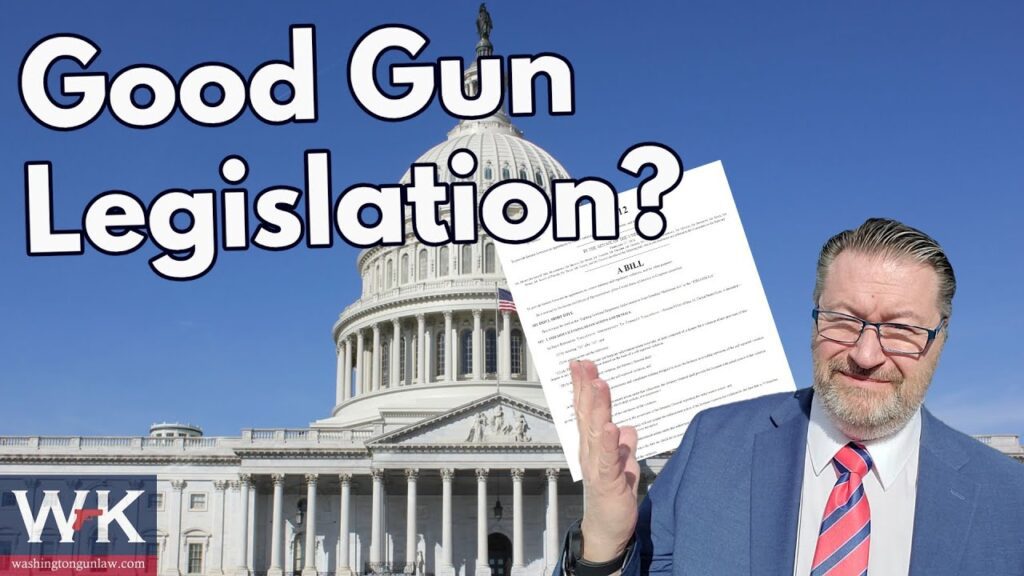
(608, 462)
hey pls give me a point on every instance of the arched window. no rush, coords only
(467, 258)
(522, 173)
(466, 352)
(488, 173)
(421, 271)
(491, 351)
(385, 364)
(538, 178)
(489, 258)
(505, 174)
(391, 273)
(442, 264)
(517, 352)
(405, 268)
(376, 278)
(439, 339)
(402, 349)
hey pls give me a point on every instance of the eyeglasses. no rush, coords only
(894, 338)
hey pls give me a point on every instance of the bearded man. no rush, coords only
(850, 477)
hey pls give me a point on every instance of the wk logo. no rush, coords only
(75, 519)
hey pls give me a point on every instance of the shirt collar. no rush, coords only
(889, 454)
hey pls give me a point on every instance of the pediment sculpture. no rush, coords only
(496, 428)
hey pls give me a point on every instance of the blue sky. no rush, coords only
(824, 114)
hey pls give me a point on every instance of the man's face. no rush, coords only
(870, 393)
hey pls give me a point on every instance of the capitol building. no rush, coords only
(439, 456)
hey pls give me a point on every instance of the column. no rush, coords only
(456, 354)
(275, 528)
(447, 474)
(449, 352)
(309, 566)
(421, 365)
(359, 362)
(346, 490)
(250, 536)
(410, 520)
(174, 530)
(367, 367)
(430, 357)
(241, 563)
(375, 520)
(376, 357)
(395, 348)
(348, 368)
(517, 518)
(231, 507)
(217, 543)
(478, 346)
(415, 357)
(505, 355)
(551, 528)
(339, 393)
(482, 568)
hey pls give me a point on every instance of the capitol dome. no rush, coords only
(426, 334)
(501, 151)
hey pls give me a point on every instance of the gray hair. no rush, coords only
(889, 238)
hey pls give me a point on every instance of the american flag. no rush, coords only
(505, 300)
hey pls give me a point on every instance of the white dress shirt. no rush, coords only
(890, 487)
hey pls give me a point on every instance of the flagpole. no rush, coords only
(497, 356)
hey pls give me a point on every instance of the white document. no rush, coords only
(675, 325)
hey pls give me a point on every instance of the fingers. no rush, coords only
(583, 408)
(599, 449)
(599, 409)
(601, 433)
(582, 373)
(628, 438)
(589, 369)
(609, 462)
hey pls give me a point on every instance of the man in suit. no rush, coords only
(852, 476)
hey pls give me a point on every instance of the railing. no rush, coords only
(421, 288)
(14, 441)
(54, 441)
(284, 437)
(104, 442)
(1009, 443)
(200, 442)
(304, 436)
(158, 442)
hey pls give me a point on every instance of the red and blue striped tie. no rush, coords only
(845, 535)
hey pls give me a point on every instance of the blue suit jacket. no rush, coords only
(728, 499)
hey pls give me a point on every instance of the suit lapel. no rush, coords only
(945, 501)
(776, 479)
